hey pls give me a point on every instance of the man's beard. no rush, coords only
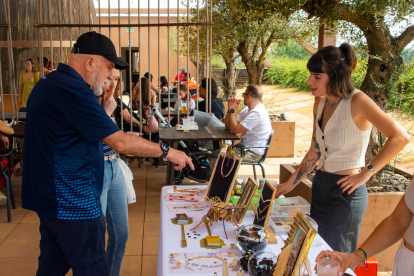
(96, 83)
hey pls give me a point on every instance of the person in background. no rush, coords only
(136, 92)
(343, 119)
(45, 70)
(164, 82)
(178, 78)
(400, 224)
(49, 65)
(28, 79)
(4, 130)
(192, 84)
(253, 122)
(126, 115)
(217, 106)
(183, 94)
(154, 89)
(113, 198)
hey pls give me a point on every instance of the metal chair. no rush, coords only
(260, 162)
(7, 176)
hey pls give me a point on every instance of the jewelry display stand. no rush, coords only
(223, 177)
(264, 209)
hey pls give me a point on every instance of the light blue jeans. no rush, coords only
(115, 208)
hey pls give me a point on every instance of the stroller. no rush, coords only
(199, 155)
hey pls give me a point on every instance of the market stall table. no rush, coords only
(170, 241)
(204, 133)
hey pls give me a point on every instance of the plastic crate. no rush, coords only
(284, 209)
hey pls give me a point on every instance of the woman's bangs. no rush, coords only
(315, 64)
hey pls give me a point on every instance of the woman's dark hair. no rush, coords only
(212, 87)
(164, 81)
(145, 90)
(45, 61)
(338, 63)
(147, 75)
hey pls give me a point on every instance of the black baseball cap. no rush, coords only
(97, 44)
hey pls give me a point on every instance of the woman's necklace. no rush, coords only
(332, 105)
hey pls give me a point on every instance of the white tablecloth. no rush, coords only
(170, 239)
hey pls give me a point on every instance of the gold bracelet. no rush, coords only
(360, 258)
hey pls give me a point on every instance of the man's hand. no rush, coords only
(145, 128)
(4, 138)
(179, 158)
(233, 103)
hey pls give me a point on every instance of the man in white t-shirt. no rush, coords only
(253, 122)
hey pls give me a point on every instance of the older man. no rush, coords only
(253, 123)
(63, 157)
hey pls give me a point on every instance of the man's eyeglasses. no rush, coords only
(245, 94)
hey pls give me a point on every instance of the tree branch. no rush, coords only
(405, 38)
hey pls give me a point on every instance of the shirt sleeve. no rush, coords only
(89, 118)
(250, 120)
(192, 104)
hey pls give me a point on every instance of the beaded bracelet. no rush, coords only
(359, 256)
(365, 253)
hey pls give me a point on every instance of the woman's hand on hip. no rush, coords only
(351, 182)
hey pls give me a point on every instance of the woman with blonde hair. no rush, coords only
(28, 79)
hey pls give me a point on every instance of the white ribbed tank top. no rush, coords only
(343, 145)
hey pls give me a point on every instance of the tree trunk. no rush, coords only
(377, 84)
(230, 79)
(254, 69)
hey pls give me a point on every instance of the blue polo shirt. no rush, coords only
(63, 159)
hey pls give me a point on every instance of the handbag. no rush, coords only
(129, 187)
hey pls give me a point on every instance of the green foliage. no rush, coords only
(289, 73)
(293, 73)
(402, 97)
(217, 62)
(290, 50)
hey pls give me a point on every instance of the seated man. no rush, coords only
(253, 122)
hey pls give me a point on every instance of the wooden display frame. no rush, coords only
(300, 240)
(265, 205)
(245, 200)
(216, 185)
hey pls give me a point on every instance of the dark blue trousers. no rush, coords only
(338, 215)
(75, 244)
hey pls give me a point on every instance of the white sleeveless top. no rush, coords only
(343, 145)
(409, 200)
